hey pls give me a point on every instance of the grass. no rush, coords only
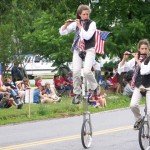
(59, 110)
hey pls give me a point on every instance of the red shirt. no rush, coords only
(58, 81)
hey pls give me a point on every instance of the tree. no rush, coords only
(33, 26)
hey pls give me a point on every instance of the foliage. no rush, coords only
(110, 65)
(33, 26)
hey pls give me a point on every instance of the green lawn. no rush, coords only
(59, 110)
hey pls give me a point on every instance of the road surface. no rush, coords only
(112, 131)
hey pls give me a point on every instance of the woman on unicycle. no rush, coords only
(141, 83)
(82, 48)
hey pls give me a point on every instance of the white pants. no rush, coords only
(134, 105)
(77, 66)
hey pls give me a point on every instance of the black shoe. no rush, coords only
(76, 99)
(137, 124)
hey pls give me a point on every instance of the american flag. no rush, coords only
(1, 71)
(81, 44)
(100, 38)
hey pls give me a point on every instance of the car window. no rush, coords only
(37, 58)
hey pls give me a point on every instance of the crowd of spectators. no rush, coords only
(13, 88)
(117, 83)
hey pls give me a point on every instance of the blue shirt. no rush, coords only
(36, 96)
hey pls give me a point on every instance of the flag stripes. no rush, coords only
(81, 44)
(100, 38)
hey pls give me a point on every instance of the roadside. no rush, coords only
(111, 130)
(58, 110)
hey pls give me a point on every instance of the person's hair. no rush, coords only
(38, 78)
(25, 79)
(145, 42)
(81, 8)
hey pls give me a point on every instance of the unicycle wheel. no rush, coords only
(144, 136)
(86, 134)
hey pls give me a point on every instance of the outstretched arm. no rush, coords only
(67, 28)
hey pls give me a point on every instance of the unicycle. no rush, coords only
(86, 130)
(144, 132)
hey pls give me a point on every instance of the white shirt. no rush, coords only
(97, 66)
(130, 65)
(84, 34)
(145, 69)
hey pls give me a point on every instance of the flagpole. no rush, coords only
(29, 104)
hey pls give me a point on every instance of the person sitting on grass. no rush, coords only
(26, 83)
(5, 100)
(59, 84)
(128, 89)
(99, 100)
(21, 90)
(50, 91)
(8, 82)
(39, 95)
(13, 91)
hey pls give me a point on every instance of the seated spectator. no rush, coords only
(5, 100)
(50, 92)
(113, 81)
(8, 82)
(68, 83)
(13, 91)
(38, 81)
(21, 90)
(26, 83)
(69, 79)
(39, 95)
(128, 89)
(101, 101)
(102, 82)
(61, 84)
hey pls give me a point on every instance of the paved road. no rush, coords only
(112, 131)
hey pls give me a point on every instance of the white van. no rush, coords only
(36, 65)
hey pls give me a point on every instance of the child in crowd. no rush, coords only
(99, 100)
(26, 83)
(128, 89)
(5, 100)
(50, 92)
(9, 83)
(21, 90)
(40, 93)
(62, 84)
